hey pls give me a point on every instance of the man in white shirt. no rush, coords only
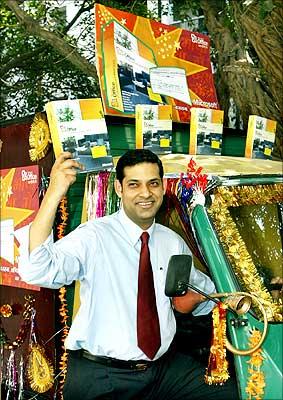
(106, 359)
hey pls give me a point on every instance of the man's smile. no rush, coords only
(145, 204)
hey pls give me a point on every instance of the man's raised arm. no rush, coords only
(62, 176)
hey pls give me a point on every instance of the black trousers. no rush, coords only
(176, 377)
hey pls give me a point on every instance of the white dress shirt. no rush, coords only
(103, 255)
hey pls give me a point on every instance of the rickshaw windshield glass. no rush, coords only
(260, 227)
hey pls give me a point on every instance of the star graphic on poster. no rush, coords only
(7, 212)
(177, 46)
(123, 21)
(155, 44)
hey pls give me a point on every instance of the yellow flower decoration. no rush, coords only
(39, 370)
(39, 137)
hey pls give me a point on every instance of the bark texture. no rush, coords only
(255, 87)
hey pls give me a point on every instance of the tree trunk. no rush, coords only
(60, 44)
(237, 77)
(266, 38)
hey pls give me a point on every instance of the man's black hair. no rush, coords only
(134, 157)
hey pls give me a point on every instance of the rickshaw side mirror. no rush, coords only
(178, 275)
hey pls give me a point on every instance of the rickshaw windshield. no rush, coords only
(260, 227)
(248, 221)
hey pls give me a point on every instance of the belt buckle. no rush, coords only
(141, 366)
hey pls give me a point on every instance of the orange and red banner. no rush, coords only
(142, 61)
(19, 204)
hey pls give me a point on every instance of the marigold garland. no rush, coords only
(63, 310)
(217, 370)
(63, 214)
(256, 382)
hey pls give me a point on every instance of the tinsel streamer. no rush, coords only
(256, 381)
(112, 200)
(9, 376)
(102, 184)
(44, 182)
(217, 370)
(185, 190)
(90, 196)
(192, 187)
(101, 196)
(21, 379)
(3, 339)
(190, 190)
(172, 203)
(11, 381)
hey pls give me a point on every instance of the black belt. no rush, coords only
(138, 365)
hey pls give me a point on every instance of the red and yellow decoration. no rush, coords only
(217, 370)
(19, 203)
(145, 46)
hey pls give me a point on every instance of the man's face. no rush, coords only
(141, 193)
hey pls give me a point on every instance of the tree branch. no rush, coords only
(79, 13)
(59, 44)
(19, 59)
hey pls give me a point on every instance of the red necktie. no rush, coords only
(148, 329)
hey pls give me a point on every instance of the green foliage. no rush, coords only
(33, 72)
(266, 6)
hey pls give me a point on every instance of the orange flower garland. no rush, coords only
(63, 311)
(217, 370)
(256, 382)
(64, 218)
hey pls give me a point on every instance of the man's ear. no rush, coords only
(118, 188)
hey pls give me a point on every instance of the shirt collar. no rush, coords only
(133, 230)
